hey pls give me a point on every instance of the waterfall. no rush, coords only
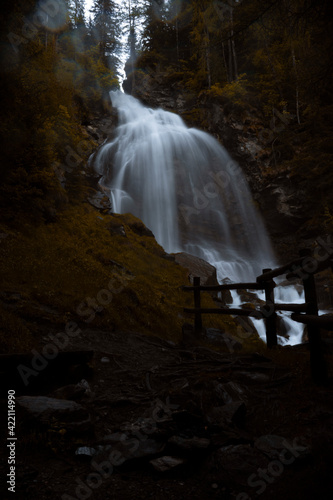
(182, 183)
(185, 187)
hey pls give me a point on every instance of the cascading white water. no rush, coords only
(185, 187)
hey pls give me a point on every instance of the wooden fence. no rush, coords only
(304, 268)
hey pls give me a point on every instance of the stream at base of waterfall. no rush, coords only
(182, 183)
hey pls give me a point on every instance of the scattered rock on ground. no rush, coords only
(54, 412)
(231, 413)
(166, 463)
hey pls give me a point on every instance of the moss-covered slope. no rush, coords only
(105, 271)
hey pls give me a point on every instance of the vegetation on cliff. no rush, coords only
(53, 75)
(99, 270)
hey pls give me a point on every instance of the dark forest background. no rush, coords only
(58, 67)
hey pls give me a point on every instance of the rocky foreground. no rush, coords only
(139, 417)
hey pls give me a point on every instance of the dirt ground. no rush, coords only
(163, 395)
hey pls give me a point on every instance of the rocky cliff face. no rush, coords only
(251, 143)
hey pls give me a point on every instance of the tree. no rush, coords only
(154, 26)
(132, 19)
(76, 10)
(106, 28)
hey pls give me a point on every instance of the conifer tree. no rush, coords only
(153, 25)
(76, 12)
(107, 28)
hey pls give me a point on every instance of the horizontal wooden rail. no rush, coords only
(234, 312)
(324, 322)
(269, 275)
(229, 286)
(291, 307)
(304, 268)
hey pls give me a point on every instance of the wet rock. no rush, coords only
(231, 413)
(85, 452)
(193, 443)
(163, 411)
(143, 426)
(113, 438)
(168, 256)
(230, 392)
(100, 201)
(116, 227)
(248, 297)
(225, 295)
(219, 337)
(71, 392)
(270, 444)
(130, 447)
(84, 385)
(257, 377)
(197, 267)
(139, 228)
(278, 447)
(95, 133)
(166, 463)
(54, 412)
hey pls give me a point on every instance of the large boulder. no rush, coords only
(197, 267)
(53, 412)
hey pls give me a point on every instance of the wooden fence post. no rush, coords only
(317, 360)
(270, 314)
(197, 305)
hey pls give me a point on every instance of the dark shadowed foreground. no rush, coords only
(154, 420)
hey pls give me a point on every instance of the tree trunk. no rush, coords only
(177, 38)
(209, 75)
(296, 80)
(225, 63)
(233, 48)
(231, 75)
